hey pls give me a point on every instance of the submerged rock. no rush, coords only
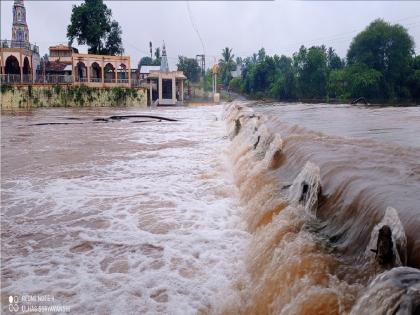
(306, 188)
(388, 242)
(396, 292)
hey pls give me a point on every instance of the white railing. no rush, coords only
(65, 79)
(11, 79)
(81, 79)
(54, 79)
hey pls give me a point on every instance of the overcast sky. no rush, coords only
(278, 26)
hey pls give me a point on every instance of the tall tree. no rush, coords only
(190, 68)
(113, 41)
(151, 49)
(157, 53)
(312, 71)
(388, 49)
(91, 24)
(226, 65)
(334, 62)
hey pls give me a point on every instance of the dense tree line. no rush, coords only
(380, 65)
(190, 67)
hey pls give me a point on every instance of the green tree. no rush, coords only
(145, 61)
(414, 80)
(388, 49)
(334, 62)
(113, 44)
(91, 24)
(284, 87)
(226, 65)
(190, 68)
(157, 56)
(312, 72)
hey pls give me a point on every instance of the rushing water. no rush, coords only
(118, 217)
(275, 214)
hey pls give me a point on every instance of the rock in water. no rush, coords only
(394, 292)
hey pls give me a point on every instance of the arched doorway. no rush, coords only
(122, 74)
(96, 74)
(109, 73)
(12, 70)
(81, 72)
(26, 70)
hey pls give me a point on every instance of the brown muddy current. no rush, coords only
(242, 209)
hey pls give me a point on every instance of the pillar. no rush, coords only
(182, 91)
(174, 90)
(88, 73)
(151, 93)
(160, 88)
(73, 72)
(103, 74)
(129, 75)
(115, 74)
(21, 67)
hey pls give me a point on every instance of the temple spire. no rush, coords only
(164, 67)
(20, 31)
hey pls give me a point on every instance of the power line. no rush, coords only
(195, 27)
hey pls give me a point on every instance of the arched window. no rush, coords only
(109, 73)
(26, 70)
(12, 70)
(122, 74)
(81, 72)
(96, 74)
(12, 65)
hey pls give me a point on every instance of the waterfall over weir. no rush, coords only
(300, 259)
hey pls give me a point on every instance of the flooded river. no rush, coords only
(124, 217)
(268, 209)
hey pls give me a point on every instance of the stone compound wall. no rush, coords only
(25, 97)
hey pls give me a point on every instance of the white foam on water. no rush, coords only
(152, 229)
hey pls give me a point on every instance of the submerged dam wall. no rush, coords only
(325, 237)
(25, 97)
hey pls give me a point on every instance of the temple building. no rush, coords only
(165, 87)
(87, 69)
(18, 57)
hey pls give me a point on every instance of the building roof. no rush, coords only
(147, 69)
(57, 66)
(63, 47)
(167, 75)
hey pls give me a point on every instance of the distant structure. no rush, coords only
(66, 65)
(164, 66)
(144, 71)
(18, 57)
(165, 87)
(20, 31)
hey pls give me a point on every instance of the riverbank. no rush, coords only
(38, 96)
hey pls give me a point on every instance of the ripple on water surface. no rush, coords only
(119, 217)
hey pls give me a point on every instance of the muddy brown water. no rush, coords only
(179, 218)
